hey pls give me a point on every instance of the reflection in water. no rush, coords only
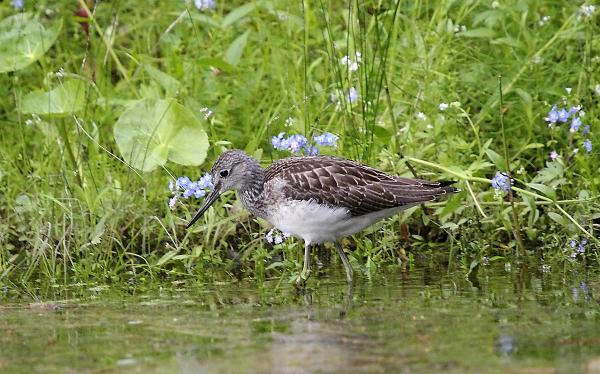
(423, 319)
(311, 346)
(505, 344)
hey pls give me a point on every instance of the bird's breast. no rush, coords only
(308, 220)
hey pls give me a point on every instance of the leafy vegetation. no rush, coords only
(105, 104)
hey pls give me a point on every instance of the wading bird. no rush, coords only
(317, 198)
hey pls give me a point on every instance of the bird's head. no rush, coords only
(233, 170)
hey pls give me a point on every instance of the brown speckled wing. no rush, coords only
(343, 183)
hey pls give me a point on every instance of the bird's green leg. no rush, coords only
(306, 267)
(349, 271)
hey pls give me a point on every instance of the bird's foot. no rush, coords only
(301, 280)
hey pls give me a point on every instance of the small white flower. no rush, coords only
(586, 11)
(537, 59)
(460, 28)
(421, 116)
(443, 106)
(35, 119)
(568, 89)
(352, 95)
(597, 89)
(206, 112)
(60, 73)
(544, 20)
(269, 237)
(575, 151)
(546, 268)
(172, 201)
(352, 65)
(495, 4)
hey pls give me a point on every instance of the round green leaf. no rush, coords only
(23, 40)
(69, 97)
(152, 131)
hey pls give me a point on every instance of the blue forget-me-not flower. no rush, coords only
(501, 182)
(205, 4)
(17, 4)
(327, 139)
(352, 95)
(563, 115)
(296, 143)
(552, 115)
(184, 187)
(575, 124)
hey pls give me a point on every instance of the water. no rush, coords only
(418, 320)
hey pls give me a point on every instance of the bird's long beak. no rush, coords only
(210, 199)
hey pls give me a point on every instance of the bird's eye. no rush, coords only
(224, 173)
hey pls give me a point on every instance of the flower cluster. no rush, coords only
(296, 143)
(459, 28)
(276, 236)
(574, 116)
(581, 292)
(184, 187)
(577, 249)
(501, 182)
(586, 11)
(327, 139)
(205, 4)
(17, 4)
(206, 112)
(445, 106)
(351, 96)
(352, 64)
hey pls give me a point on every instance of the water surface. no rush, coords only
(419, 320)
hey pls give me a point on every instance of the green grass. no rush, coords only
(74, 210)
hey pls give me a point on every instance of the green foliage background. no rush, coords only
(79, 204)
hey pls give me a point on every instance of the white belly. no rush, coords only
(316, 223)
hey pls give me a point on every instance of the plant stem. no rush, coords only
(516, 189)
(395, 126)
(515, 218)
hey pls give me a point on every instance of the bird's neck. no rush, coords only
(251, 191)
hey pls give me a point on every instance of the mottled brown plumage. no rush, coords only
(339, 182)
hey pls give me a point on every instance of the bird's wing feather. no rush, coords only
(343, 183)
